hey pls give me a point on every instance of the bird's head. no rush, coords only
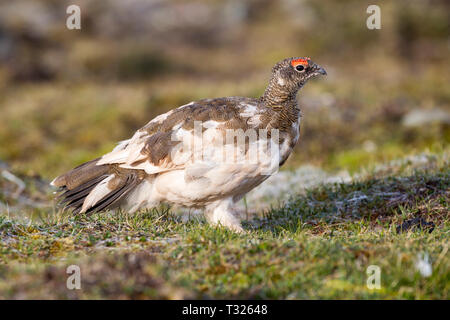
(296, 71)
(289, 75)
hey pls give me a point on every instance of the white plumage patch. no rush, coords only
(141, 196)
(254, 121)
(53, 182)
(121, 145)
(125, 151)
(249, 111)
(98, 193)
(210, 124)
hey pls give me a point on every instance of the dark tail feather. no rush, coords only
(80, 175)
(112, 199)
(78, 183)
(74, 198)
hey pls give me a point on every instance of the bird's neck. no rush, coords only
(279, 94)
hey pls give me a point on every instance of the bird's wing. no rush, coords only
(171, 140)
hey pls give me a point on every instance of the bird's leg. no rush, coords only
(222, 213)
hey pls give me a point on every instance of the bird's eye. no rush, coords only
(300, 67)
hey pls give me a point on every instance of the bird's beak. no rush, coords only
(320, 70)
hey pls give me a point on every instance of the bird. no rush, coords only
(178, 157)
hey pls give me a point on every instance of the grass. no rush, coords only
(317, 245)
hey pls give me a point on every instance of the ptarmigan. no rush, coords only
(206, 154)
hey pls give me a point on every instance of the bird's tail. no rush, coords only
(91, 187)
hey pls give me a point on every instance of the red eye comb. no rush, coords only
(302, 61)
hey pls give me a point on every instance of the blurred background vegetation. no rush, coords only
(67, 96)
